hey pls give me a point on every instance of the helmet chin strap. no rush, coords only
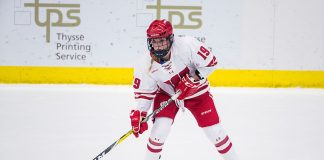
(159, 55)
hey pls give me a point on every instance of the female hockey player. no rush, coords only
(176, 63)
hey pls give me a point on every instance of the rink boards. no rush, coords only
(221, 77)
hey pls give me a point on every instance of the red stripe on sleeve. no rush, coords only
(143, 97)
(213, 62)
(152, 93)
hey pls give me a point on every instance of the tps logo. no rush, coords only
(53, 16)
(193, 12)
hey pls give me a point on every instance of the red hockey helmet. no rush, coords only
(159, 29)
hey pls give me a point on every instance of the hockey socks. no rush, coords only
(217, 135)
(159, 133)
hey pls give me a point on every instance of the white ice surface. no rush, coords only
(64, 122)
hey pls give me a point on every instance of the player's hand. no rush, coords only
(188, 86)
(136, 117)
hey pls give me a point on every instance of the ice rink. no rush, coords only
(77, 122)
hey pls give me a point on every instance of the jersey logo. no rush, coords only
(168, 67)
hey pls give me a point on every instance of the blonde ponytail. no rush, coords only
(153, 58)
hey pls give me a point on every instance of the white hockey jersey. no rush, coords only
(187, 56)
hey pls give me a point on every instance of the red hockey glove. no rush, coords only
(136, 117)
(187, 86)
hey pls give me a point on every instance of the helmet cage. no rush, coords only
(160, 53)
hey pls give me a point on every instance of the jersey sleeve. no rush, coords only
(145, 87)
(204, 60)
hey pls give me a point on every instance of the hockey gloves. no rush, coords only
(136, 117)
(188, 87)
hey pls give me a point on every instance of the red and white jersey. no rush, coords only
(187, 56)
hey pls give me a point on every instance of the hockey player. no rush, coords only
(176, 63)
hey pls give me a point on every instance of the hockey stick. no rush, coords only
(122, 138)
